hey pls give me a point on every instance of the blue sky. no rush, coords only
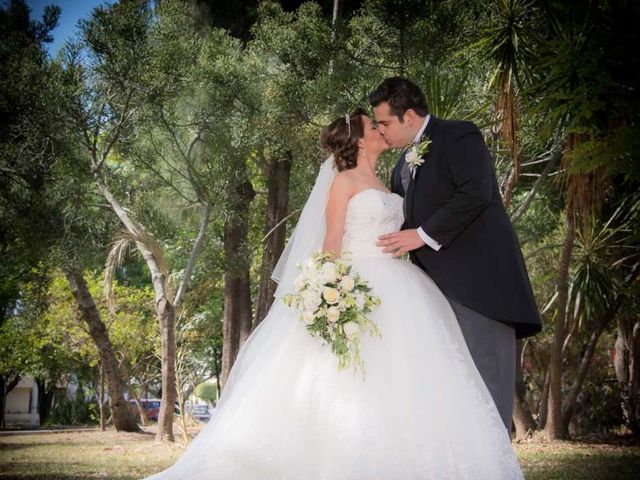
(72, 11)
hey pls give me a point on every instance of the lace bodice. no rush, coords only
(371, 213)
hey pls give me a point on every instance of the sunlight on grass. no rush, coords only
(85, 455)
(128, 456)
(578, 460)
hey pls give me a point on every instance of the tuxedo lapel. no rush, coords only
(409, 197)
(407, 205)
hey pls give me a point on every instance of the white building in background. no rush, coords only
(21, 407)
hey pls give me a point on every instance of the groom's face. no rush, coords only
(397, 134)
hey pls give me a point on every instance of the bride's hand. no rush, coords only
(400, 242)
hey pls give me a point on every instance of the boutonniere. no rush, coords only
(415, 153)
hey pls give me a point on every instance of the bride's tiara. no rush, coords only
(347, 119)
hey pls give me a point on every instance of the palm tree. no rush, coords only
(509, 44)
(605, 266)
(575, 96)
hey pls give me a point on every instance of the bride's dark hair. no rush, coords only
(341, 139)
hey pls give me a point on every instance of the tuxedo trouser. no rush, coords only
(493, 348)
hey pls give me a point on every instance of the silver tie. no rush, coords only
(405, 176)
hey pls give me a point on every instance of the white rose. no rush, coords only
(310, 304)
(330, 295)
(307, 294)
(329, 272)
(311, 300)
(351, 330)
(333, 313)
(308, 317)
(316, 283)
(299, 282)
(347, 283)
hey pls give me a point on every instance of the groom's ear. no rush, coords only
(410, 116)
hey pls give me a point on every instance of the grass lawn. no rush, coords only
(580, 460)
(120, 456)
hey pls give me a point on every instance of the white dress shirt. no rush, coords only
(421, 233)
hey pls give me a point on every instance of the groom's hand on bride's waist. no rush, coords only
(400, 242)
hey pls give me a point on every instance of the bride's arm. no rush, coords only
(336, 212)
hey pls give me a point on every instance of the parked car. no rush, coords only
(201, 413)
(151, 406)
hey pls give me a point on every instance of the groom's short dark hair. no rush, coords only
(401, 94)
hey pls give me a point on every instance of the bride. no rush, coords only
(287, 412)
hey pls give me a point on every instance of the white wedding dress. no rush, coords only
(422, 412)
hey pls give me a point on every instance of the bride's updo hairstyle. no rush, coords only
(341, 139)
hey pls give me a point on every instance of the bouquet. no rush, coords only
(333, 301)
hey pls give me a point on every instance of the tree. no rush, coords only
(627, 361)
(122, 414)
(30, 140)
(605, 269)
(581, 86)
(52, 192)
(179, 154)
(509, 43)
(198, 87)
(39, 339)
(108, 93)
(207, 391)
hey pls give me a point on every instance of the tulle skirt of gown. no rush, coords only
(422, 412)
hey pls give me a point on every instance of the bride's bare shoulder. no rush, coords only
(343, 184)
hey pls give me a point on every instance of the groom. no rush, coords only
(457, 230)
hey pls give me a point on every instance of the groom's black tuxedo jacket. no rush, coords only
(455, 199)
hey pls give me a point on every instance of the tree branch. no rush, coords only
(195, 251)
(555, 159)
(115, 133)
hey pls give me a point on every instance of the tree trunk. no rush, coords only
(277, 207)
(522, 417)
(585, 362)
(123, 416)
(554, 428)
(621, 357)
(507, 111)
(236, 325)
(144, 418)
(45, 399)
(3, 400)
(544, 403)
(627, 366)
(103, 423)
(217, 373)
(165, 313)
(634, 380)
(166, 319)
(627, 361)
(6, 385)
